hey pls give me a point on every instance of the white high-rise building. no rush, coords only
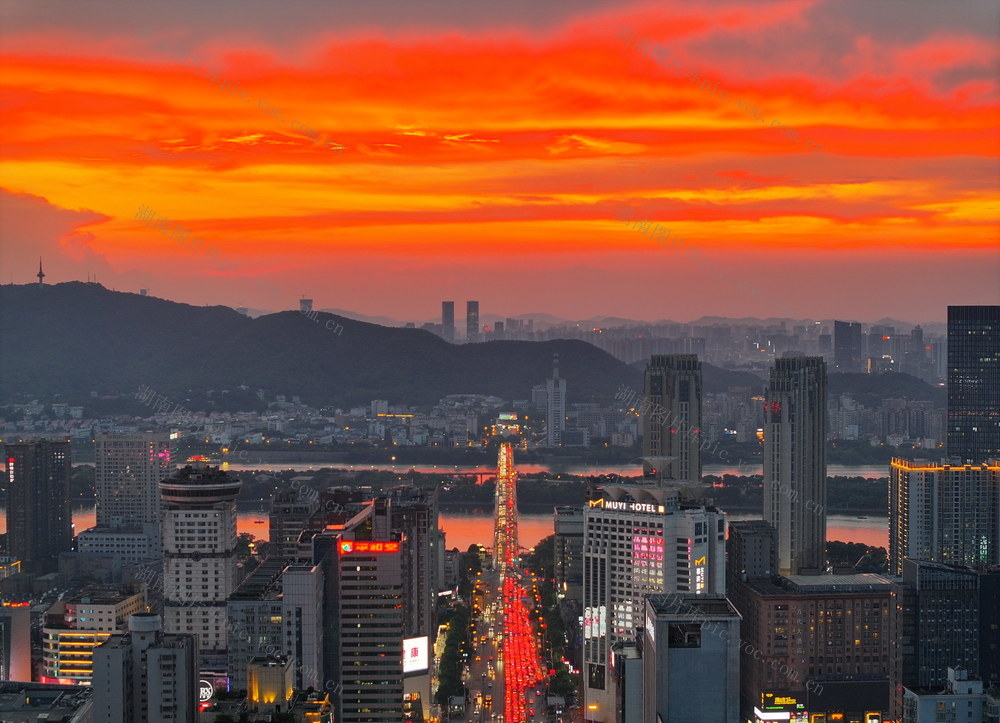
(555, 407)
(199, 554)
(948, 513)
(639, 540)
(795, 463)
(146, 676)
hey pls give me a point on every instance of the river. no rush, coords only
(463, 529)
(871, 471)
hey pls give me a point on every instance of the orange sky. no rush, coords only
(487, 152)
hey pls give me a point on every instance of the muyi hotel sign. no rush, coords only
(628, 506)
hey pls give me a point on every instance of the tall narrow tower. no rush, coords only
(41, 274)
(471, 321)
(555, 406)
(795, 463)
(673, 381)
(448, 320)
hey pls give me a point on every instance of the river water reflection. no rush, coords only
(463, 529)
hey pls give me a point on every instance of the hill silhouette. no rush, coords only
(77, 338)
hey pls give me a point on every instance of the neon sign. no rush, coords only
(349, 546)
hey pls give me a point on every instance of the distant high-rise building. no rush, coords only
(795, 463)
(639, 539)
(471, 321)
(39, 525)
(199, 546)
(146, 676)
(674, 433)
(974, 383)
(555, 406)
(291, 511)
(848, 349)
(127, 473)
(448, 320)
(947, 513)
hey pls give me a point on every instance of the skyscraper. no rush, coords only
(974, 383)
(199, 546)
(39, 525)
(363, 614)
(848, 350)
(555, 406)
(673, 381)
(795, 463)
(448, 320)
(639, 539)
(471, 321)
(128, 470)
(948, 513)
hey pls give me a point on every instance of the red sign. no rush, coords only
(362, 546)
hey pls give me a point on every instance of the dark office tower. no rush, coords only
(974, 383)
(448, 320)
(363, 613)
(415, 517)
(39, 526)
(847, 346)
(471, 321)
(672, 427)
(795, 463)
(943, 616)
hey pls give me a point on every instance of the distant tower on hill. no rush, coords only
(41, 274)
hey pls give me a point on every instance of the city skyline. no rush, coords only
(297, 174)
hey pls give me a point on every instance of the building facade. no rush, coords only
(673, 382)
(974, 383)
(127, 473)
(146, 676)
(363, 615)
(814, 644)
(471, 321)
(639, 540)
(948, 513)
(199, 547)
(555, 407)
(943, 616)
(448, 320)
(691, 659)
(74, 627)
(795, 463)
(39, 525)
(568, 552)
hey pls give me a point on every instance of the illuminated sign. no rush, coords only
(348, 546)
(785, 700)
(415, 654)
(205, 690)
(628, 506)
(787, 703)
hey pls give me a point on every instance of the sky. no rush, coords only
(665, 160)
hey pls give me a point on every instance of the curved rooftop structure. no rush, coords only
(199, 484)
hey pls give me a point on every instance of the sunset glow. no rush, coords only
(488, 161)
